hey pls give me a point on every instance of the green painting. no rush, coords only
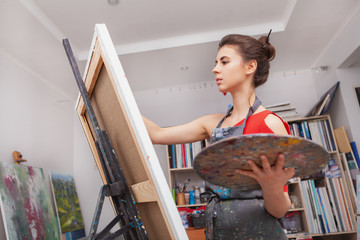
(67, 203)
(25, 203)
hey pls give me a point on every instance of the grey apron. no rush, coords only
(233, 214)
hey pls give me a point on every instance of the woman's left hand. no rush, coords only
(269, 177)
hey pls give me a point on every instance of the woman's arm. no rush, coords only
(196, 130)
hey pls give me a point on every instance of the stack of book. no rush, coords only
(319, 131)
(327, 207)
(182, 155)
(284, 110)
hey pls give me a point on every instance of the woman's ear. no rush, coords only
(251, 67)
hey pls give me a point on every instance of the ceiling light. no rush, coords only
(113, 2)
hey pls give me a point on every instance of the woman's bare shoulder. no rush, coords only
(275, 124)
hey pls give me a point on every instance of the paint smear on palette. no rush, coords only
(217, 163)
(25, 203)
(67, 205)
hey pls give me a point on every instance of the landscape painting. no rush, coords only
(25, 203)
(67, 205)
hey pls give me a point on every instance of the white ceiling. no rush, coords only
(155, 38)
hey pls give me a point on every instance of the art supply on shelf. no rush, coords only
(197, 195)
(187, 196)
(180, 198)
(191, 197)
(183, 216)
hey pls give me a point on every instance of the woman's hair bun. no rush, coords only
(268, 48)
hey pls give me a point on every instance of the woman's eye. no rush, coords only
(224, 62)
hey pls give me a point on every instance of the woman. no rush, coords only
(241, 65)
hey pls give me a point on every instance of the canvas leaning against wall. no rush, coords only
(67, 206)
(357, 91)
(25, 203)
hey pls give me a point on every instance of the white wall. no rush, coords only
(180, 104)
(342, 55)
(33, 122)
(350, 78)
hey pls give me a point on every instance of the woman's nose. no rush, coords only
(215, 69)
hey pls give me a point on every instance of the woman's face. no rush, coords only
(230, 70)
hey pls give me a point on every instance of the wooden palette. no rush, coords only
(217, 163)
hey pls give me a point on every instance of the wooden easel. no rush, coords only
(116, 187)
(106, 86)
(112, 101)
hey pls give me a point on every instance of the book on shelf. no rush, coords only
(319, 131)
(327, 207)
(182, 155)
(321, 217)
(334, 208)
(350, 171)
(178, 156)
(309, 210)
(337, 186)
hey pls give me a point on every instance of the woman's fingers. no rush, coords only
(280, 162)
(265, 163)
(254, 167)
(290, 172)
(246, 173)
(269, 174)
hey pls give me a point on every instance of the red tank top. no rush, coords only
(256, 124)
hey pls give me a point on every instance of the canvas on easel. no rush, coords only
(117, 113)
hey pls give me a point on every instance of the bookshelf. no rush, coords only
(180, 166)
(328, 207)
(329, 193)
(180, 161)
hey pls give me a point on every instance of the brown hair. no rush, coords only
(251, 49)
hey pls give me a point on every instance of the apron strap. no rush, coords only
(252, 109)
(228, 113)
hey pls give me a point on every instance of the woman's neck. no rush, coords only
(242, 102)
